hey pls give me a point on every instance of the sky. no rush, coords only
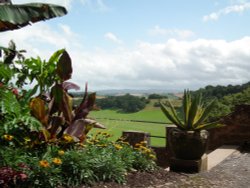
(145, 44)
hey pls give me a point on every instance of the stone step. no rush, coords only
(217, 156)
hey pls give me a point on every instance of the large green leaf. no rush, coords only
(9, 103)
(17, 16)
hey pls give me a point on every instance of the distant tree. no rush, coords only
(226, 98)
(126, 103)
(221, 91)
(155, 96)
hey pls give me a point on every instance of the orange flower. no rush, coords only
(8, 137)
(44, 163)
(57, 161)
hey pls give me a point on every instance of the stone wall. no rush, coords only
(236, 131)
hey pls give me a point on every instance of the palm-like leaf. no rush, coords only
(17, 16)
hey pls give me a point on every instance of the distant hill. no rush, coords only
(120, 92)
(117, 92)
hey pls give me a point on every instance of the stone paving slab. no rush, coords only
(233, 172)
(220, 154)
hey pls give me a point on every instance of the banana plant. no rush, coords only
(16, 16)
(56, 111)
(194, 113)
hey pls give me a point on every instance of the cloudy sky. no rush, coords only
(146, 44)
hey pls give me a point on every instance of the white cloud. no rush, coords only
(171, 65)
(172, 33)
(40, 39)
(228, 10)
(112, 37)
(174, 64)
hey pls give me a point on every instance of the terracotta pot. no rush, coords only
(187, 145)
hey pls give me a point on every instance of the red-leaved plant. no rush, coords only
(55, 111)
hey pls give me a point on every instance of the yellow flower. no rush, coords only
(27, 139)
(8, 137)
(57, 161)
(68, 138)
(148, 151)
(125, 143)
(81, 145)
(143, 143)
(137, 145)
(99, 132)
(152, 156)
(118, 147)
(143, 148)
(61, 152)
(44, 163)
(105, 134)
(89, 142)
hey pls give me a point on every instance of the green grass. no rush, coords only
(117, 126)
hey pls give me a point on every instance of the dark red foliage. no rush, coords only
(9, 176)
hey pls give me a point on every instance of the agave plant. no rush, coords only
(194, 113)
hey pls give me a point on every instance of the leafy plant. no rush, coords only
(193, 113)
(17, 16)
(56, 112)
(15, 119)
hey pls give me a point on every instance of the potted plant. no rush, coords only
(189, 139)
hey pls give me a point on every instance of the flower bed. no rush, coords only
(97, 160)
(44, 139)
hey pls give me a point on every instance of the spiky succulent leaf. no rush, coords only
(192, 115)
(186, 105)
(210, 125)
(171, 114)
(205, 113)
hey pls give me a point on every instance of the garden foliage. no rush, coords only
(43, 137)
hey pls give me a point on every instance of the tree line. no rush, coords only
(126, 103)
(226, 98)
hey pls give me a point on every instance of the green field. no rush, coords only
(116, 122)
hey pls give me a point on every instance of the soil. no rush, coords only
(234, 171)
